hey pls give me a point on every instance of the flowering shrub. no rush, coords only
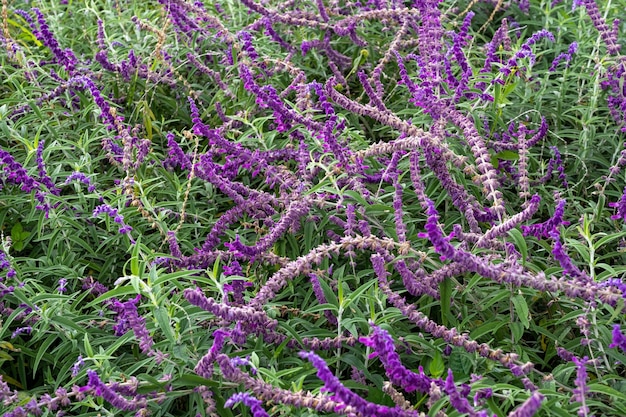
(312, 208)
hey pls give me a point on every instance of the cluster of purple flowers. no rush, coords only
(324, 178)
(113, 213)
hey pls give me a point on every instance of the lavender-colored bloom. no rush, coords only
(565, 56)
(237, 286)
(5, 263)
(233, 268)
(43, 175)
(621, 207)
(79, 176)
(249, 401)
(269, 30)
(457, 399)
(382, 344)
(247, 46)
(204, 367)
(77, 365)
(93, 286)
(619, 340)
(481, 395)
(543, 230)
(173, 244)
(561, 255)
(14, 173)
(129, 319)
(113, 213)
(616, 100)
(349, 398)
(62, 285)
(64, 57)
(580, 392)
(21, 330)
(530, 406)
(608, 35)
(321, 298)
(555, 162)
(525, 51)
(103, 390)
(248, 315)
(442, 246)
(296, 210)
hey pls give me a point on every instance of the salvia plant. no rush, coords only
(311, 208)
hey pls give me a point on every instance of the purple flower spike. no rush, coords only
(21, 330)
(249, 401)
(621, 207)
(581, 390)
(442, 246)
(349, 398)
(457, 399)
(129, 319)
(530, 406)
(79, 176)
(117, 218)
(104, 391)
(62, 285)
(398, 374)
(619, 340)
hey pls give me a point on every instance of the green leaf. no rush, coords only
(521, 308)
(520, 243)
(192, 380)
(163, 319)
(43, 349)
(134, 260)
(488, 327)
(116, 292)
(87, 346)
(67, 323)
(445, 289)
(437, 366)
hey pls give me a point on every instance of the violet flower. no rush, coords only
(565, 261)
(621, 207)
(349, 398)
(129, 319)
(113, 213)
(66, 57)
(457, 399)
(21, 330)
(543, 230)
(237, 286)
(581, 390)
(79, 176)
(608, 35)
(115, 399)
(246, 314)
(382, 344)
(525, 51)
(321, 298)
(564, 57)
(204, 367)
(5, 263)
(15, 173)
(43, 175)
(296, 210)
(530, 406)
(77, 365)
(249, 401)
(93, 286)
(619, 340)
